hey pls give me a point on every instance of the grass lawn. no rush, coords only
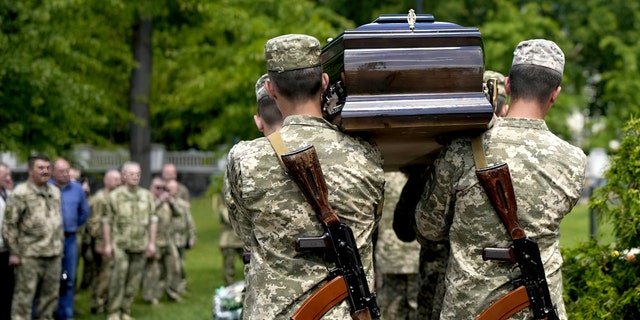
(204, 266)
(575, 228)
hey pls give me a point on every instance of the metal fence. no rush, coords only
(90, 159)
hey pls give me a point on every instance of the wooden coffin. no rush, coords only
(407, 88)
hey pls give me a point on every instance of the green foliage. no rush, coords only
(206, 66)
(62, 75)
(600, 280)
(599, 283)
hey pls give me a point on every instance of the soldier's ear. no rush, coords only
(325, 82)
(258, 121)
(507, 86)
(271, 90)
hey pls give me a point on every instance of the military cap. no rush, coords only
(261, 91)
(489, 74)
(292, 52)
(539, 52)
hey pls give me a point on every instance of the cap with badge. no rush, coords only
(539, 52)
(292, 52)
(261, 91)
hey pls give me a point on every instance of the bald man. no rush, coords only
(98, 205)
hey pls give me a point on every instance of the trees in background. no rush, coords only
(65, 66)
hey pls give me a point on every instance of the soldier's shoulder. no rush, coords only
(249, 148)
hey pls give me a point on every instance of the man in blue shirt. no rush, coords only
(75, 212)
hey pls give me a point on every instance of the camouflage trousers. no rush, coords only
(41, 275)
(182, 271)
(433, 265)
(398, 296)
(100, 281)
(124, 283)
(229, 263)
(162, 274)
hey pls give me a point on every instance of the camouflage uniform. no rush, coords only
(183, 192)
(99, 205)
(396, 261)
(183, 229)
(434, 257)
(270, 205)
(33, 231)
(229, 242)
(162, 270)
(547, 177)
(130, 213)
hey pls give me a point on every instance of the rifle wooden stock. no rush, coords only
(496, 181)
(506, 306)
(304, 167)
(322, 300)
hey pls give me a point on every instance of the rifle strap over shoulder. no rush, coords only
(478, 152)
(278, 146)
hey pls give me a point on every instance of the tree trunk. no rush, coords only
(140, 146)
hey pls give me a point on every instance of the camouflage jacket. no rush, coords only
(392, 254)
(33, 222)
(228, 237)
(268, 201)
(166, 213)
(98, 206)
(547, 174)
(130, 213)
(183, 224)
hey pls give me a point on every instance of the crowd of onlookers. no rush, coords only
(128, 237)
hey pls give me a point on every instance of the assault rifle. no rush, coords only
(348, 279)
(531, 288)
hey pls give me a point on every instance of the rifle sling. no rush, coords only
(278, 146)
(478, 152)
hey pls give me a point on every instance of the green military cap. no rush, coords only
(490, 74)
(292, 52)
(539, 52)
(261, 91)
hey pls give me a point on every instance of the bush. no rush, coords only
(601, 280)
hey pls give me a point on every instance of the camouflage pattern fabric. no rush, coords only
(126, 277)
(539, 52)
(398, 296)
(396, 261)
(183, 192)
(130, 212)
(163, 269)
(33, 222)
(129, 215)
(41, 275)
(547, 174)
(433, 264)
(292, 52)
(32, 230)
(161, 274)
(98, 205)
(272, 205)
(183, 228)
(230, 243)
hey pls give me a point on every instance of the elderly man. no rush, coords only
(129, 230)
(169, 172)
(75, 212)
(34, 235)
